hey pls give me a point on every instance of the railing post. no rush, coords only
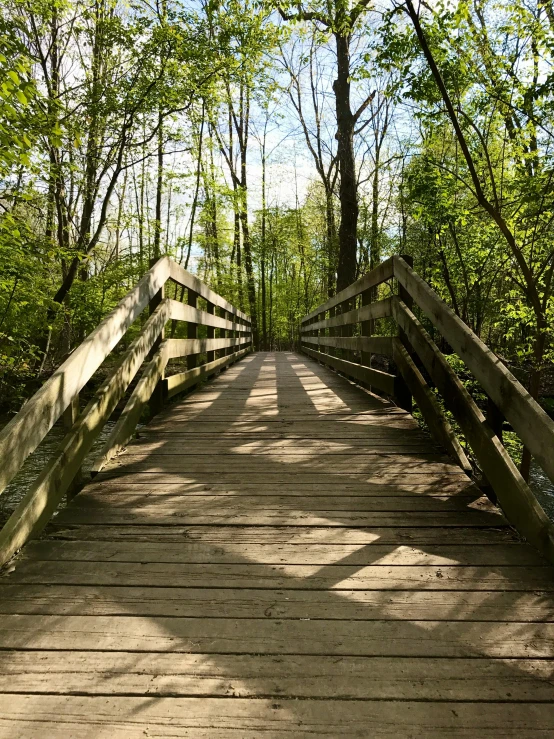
(210, 332)
(69, 417)
(332, 331)
(229, 333)
(221, 333)
(347, 330)
(321, 332)
(192, 328)
(366, 327)
(157, 399)
(402, 392)
(495, 419)
(238, 334)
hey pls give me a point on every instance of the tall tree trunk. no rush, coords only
(375, 251)
(196, 190)
(159, 192)
(242, 135)
(348, 194)
(263, 249)
(331, 236)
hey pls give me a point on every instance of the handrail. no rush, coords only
(21, 436)
(29, 427)
(381, 273)
(534, 427)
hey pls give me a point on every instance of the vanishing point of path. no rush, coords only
(280, 554)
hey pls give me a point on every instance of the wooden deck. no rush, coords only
(280, 554)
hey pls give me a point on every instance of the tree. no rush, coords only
(339, 20)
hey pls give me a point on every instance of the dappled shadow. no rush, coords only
(282, 534)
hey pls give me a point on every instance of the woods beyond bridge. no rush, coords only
(283, 551)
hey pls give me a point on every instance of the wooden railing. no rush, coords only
(339, 334)
(59, 396)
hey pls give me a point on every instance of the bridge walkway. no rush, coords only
(279, 554)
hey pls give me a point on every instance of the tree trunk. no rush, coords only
(348, 195)
(263, 249)
(331, 235)
(159, 191)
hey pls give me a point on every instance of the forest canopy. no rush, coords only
(279, 151)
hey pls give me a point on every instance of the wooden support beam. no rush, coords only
(366, 328)
(183, 380)
(381, 380)
(380, 309)
(185, 347)
(403, 394)
(185, 278)
(381, 273)
(192, 329)
(210, 331)
(157, 400)
(440, 429)
(183, 312)
(69, 418)
(363, 344)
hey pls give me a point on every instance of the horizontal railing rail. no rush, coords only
(422, 371)
(59, 395)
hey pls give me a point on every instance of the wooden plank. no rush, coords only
(357, 605)
(113, 488)
(182, 312)
(381, 273)
(380, 309)
(183, 347)
(183, 446)
(405, 534)
(180, 275)
(42, 498)
(175, 384)
(328, 436)
(531, 423)
(27, 429)
(278, 504)
(440, 429)
(402, 426)
(318, 553)
(400, 481)
(514, 495)
(375, 344)
(221, 718)
(300, 517)
(271, 636)
(243, 676)
(196, 443)
(288, 576)
(376, 378)
(347, 463)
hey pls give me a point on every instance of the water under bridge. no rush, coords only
(281, 551)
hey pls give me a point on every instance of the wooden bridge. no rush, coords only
(283, 552)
